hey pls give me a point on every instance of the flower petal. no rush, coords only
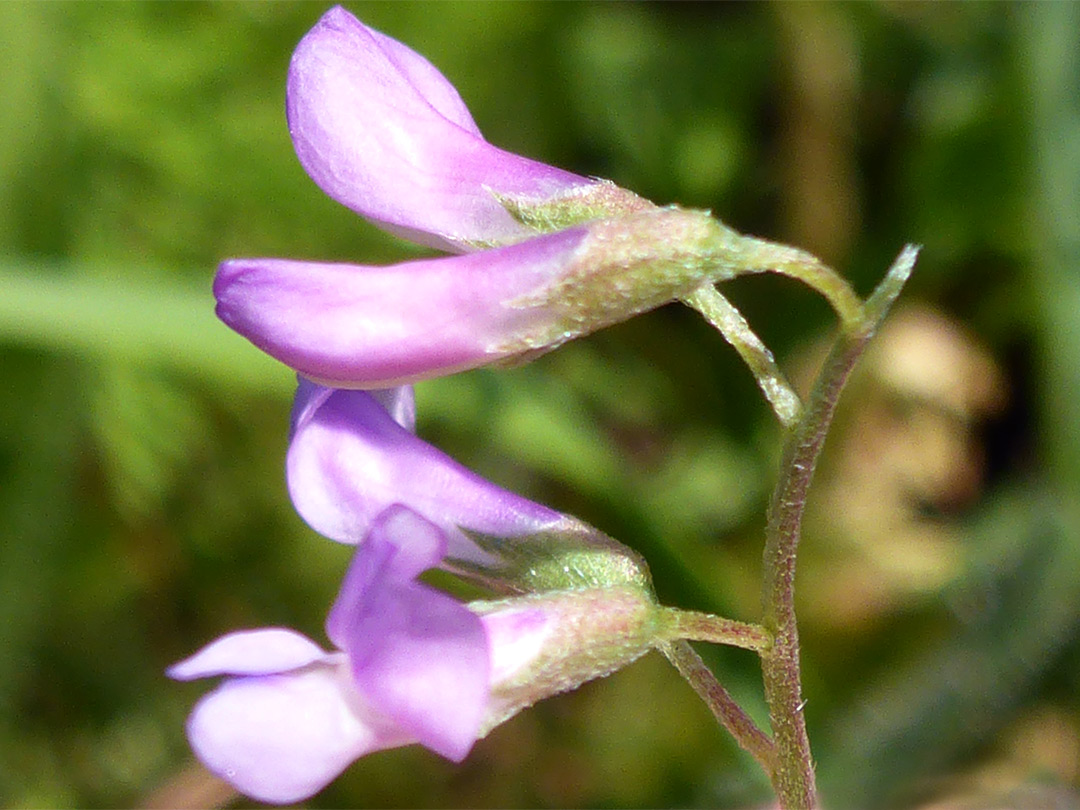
(348, 461)
(516, 637)
(250, 652)
(417, 654)
(414, 68)
(399, 403)
(381, 131)
(282, 738)
(375, 327)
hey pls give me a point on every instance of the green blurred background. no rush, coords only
(141, 490)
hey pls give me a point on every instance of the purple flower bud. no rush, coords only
(376, 326)
(371, 327)
(383, 132)
(413, 666)
(348, 460)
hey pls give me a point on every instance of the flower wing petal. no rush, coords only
(249, 652)
(417, 654)
(282, 738)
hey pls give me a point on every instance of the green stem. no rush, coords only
(729, 321)
(794, 775)
(730, 715)
(692, 625)
(766, 256)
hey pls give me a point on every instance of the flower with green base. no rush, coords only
(354, 326)
(411, 665)
(382, 131)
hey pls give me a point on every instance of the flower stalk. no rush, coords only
(692, 625)
(723, 706)
(720, 312)
(810, 270)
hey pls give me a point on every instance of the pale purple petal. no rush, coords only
(383, 132)
(416, 653)
(405, 545)
(424, 77)
(399, 403)
(250, 652)
(282, 738)
(516, 637)
(375, 327)
(348, 461)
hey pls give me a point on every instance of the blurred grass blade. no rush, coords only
(165, 322)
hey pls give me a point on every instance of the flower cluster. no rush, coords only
(542, 256)
(547, 256)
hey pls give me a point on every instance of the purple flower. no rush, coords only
(349, 460)
(377, 326)
(411, 665)
(383, 132)
(371, 327)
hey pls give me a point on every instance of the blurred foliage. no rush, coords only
(141, 443)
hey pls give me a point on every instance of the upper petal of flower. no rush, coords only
(419, 655)
(383, 132)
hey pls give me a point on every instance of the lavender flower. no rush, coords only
(371, 327)
(349, 460)
(411, 665)
(383, 132)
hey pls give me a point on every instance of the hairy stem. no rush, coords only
(692, 625)
(766, 256)
(793, 778)
(730, 715)
(729, 321)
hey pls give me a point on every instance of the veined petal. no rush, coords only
(416, 653)
(375, 327)
(414, 68)
(381, 131)
(348, 461)
(282, 738)
(250, 652)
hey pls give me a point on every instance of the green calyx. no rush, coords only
(570, 555)
(590, 634)
(597, 200)
(625, 266)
